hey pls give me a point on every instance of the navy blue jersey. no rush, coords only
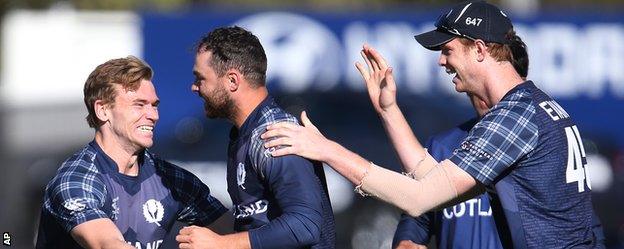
(283, 201)
(529, 150)
(88, 186)
(469, 224)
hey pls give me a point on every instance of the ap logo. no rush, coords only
(153, 211)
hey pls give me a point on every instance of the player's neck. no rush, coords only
(246, 103)
(125, 158)
(499, 82)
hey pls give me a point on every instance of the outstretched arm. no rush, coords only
(442, 184)
(382, 92)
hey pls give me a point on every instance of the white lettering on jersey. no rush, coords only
(576, 169)
(240, 175)
(153, 211)
(258, 207)
(554, 110)
(150, 245)
(471, 207)
(115, 206)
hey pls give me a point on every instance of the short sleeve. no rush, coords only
(76, 195)
(498, 141)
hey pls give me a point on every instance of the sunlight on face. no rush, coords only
(209, 86)
(134, 116)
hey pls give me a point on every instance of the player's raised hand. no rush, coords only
(198, 237)
(378, 78)
(286, 138)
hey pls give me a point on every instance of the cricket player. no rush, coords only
(469, 224)
(526, 149)
(279, 202)
(114, 193)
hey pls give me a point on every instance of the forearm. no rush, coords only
(413, 196)
(345, 162)
(99, 234)
(235, 241)
(411, 153)
(117, 244)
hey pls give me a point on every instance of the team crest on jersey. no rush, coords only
(153, 211)
(240, 175)
(115, 206)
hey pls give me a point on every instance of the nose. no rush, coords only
(442, 60)
(152, 114)
(194, 88)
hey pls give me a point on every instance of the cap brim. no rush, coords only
(434, 39)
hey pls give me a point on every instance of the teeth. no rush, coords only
(450, 71)
(146, 128)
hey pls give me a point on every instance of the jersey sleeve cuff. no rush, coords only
(218, 211)
(83, 217)
(254, 239)
(472, 171)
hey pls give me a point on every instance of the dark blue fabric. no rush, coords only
(528, 149)
(466, 225)
(144, 208)
(283, 202)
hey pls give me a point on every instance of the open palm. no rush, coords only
(378, 78)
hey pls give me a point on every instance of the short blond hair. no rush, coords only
(100, 85)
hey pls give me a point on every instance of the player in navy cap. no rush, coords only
(114, 193)
(526, 149)
(470, 224)
(278, 202)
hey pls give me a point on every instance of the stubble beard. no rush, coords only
(219, 105)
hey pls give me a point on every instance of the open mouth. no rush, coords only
(453, 73)
(146, 128)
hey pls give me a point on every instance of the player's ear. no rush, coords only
(480, 49)
(102, 110)
(234, 79)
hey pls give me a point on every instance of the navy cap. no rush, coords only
(472, 20)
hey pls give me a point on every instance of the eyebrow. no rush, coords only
(144, 101)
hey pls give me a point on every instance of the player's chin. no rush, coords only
(145, 142)
(459, 89)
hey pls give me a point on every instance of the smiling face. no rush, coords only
(211, 88)
(133, 116)
(457, 59)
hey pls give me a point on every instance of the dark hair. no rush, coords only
(520, 56)
(515, 52)
(235, 48)
(100, 85)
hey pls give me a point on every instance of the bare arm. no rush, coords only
(412, 154)
(440, 187)
(99, 234)
(382, 92)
